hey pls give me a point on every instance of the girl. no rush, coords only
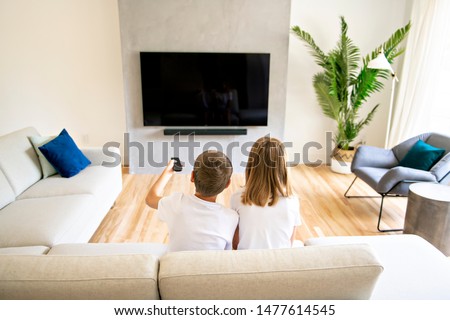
(268, 210)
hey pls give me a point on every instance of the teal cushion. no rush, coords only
(422, 156)
(64, 155)
(47, 168)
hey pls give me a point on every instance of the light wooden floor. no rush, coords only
(324, 209)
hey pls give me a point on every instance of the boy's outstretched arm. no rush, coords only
(157, 189)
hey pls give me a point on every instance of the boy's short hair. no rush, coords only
(212, 171)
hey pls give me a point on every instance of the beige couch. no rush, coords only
(375, 267)
(44, 224)
(45, 212)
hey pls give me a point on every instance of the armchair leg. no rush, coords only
(379, 218)
(381, 206)
(349, 197)
(345, 194)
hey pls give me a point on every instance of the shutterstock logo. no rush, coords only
(193, 147)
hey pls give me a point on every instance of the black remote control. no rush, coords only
(177, 165)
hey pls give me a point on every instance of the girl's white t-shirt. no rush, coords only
(196, 224)
(268, 227)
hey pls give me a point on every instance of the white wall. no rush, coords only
(60, 67)
(60, 62)
(196, 26)
(370, 23)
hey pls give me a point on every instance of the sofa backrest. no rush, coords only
(318, 272)
(402, 148)
(439, 141)
(328, 272)
(435, 139)
(118, 277)
(19, 161)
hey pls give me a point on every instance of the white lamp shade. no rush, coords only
(380, 62)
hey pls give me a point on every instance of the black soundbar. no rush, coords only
(204, 132)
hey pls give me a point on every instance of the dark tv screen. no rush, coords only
(205, 89)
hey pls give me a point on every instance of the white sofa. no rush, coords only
(45, 224)
(413, 268)
(40, 213)
(326, 268)
(375, 267)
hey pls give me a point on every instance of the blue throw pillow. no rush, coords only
(64, 155)
(422, 156)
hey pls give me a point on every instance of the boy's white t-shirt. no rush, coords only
(268, 227)
(195, 224)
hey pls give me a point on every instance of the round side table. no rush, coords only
(428, 214)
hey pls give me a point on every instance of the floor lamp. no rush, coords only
(381, 63)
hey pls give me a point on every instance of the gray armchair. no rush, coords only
(380, 169)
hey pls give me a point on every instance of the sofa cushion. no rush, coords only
(31, 250)
(6, 192)
(422, 156)
(79, 277)
(94, 180)
(64, 155)
(335, 272)
(48, 221)
(371, 175)
(413, 268)
(18, 160)
(47, 168)
(91, 249)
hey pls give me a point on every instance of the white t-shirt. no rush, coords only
(268, 227)
(195, 224)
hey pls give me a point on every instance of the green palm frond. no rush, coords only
(349, 53)
(397, 52)
(365, 84)
(334, 75)
(321, 58)
(391, 44)
(330, 105)
(367, 119)
(343, 86)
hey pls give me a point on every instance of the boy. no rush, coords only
(197, 222)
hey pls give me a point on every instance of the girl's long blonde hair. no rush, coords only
(266, 174)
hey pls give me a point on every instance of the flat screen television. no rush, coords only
(205, 89)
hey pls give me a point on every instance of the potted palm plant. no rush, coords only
(343, 86)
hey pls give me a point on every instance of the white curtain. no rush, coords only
(422, 102)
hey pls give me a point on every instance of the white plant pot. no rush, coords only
(340, 166)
